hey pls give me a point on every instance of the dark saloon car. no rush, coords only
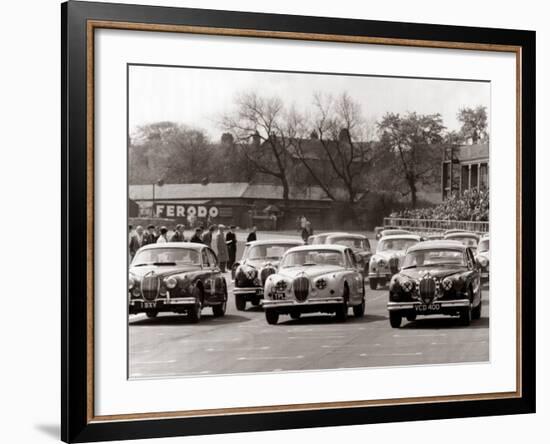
(358, 243)
(437, 277)
(260, 259)
(176, 277)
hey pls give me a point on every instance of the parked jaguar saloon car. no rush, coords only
(315, 279)
(358, 243)
(390, 252)
(260, 259)
(437, 277)
(482, 257)
(468, 238)
(176, 277)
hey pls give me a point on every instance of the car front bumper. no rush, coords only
(445, 304)
(168, 304)
(255, 291)
(270, 303)
(380, 275)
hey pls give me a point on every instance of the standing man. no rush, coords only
(178, 235)
(252, 235)
(207, 236)
(136, 241)
(150, 237)
(221, 247)
(305, 232)
(163, 238)
(197, 236)
(231, 241)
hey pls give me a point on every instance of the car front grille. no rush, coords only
(150, 287)
(394, 265)
(301, 288)
(266, 272)
(427, 288)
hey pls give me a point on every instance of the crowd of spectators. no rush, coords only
(471, 205)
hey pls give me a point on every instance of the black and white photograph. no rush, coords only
(298, 221)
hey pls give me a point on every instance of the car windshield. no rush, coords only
(313, 257)
(272, 251)
(395, 244)
(427, 258)
(167, 256)
(483, 246)
(469, 241)
(352, 242)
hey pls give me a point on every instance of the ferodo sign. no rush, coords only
(178, 210)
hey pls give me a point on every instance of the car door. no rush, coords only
(216, 276)
(356, 277)
(474, 275)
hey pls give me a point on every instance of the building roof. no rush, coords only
(223, 190)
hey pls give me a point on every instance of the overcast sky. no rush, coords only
(197, 97)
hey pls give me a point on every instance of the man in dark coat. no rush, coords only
(231, 241)
(178, 235)
(252, 235)
(197, 236)
(150, 237)
(207, 236)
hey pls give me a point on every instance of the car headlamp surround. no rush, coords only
(407, 285)
(321, 283)
(447, 283)
(171, 282)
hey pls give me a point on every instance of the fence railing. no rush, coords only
(436, 225)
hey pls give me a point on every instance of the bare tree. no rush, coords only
(341, 156)
(260, 129)
(413, 143)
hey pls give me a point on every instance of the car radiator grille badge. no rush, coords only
(150, 286)
(427, 288)
(301, 288)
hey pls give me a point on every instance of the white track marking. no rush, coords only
(268, 358)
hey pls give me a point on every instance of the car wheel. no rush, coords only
(271, 316)
(476, 311)
(411, 317)
(373, 283)
(359, 310)
(194, 313)
(466, 316)
(395, 319)
(295, 315)
(342, 309)
(152, 314)
(240, 302)
(256, 302)
(219, 310)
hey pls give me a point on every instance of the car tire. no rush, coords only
(295, 315)
(466, 316)
(359, 310)
(395, 319)
(271, 316)
(219, 310)
(194, 313)
(240, 302)
(255, 302)
(373, 283)
(476, 311)
(411, 317)
(151, 314)
(342, 309)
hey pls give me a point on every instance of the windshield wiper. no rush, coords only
(410, 266)
(164, 263)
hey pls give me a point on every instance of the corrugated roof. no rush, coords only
(223, 190)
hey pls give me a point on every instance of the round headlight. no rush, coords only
(131, 282)
(250, 273)
(321, 284)
(281, 285)
(483, 261)
(171, 282)
(447, 284)
(407, 286)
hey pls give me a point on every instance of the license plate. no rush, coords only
(149, 304)
(260, 291)
(279, 296)
(428, 307)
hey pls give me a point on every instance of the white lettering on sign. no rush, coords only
(175, 210)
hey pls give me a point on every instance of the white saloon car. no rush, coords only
(315, 279)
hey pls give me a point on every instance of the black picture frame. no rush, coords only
(76, 423)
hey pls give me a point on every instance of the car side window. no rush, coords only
(212, 258)
(469, 259)
(205, 259)
(367, 243)
(351, 259)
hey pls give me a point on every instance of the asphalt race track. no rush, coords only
(243, 342)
